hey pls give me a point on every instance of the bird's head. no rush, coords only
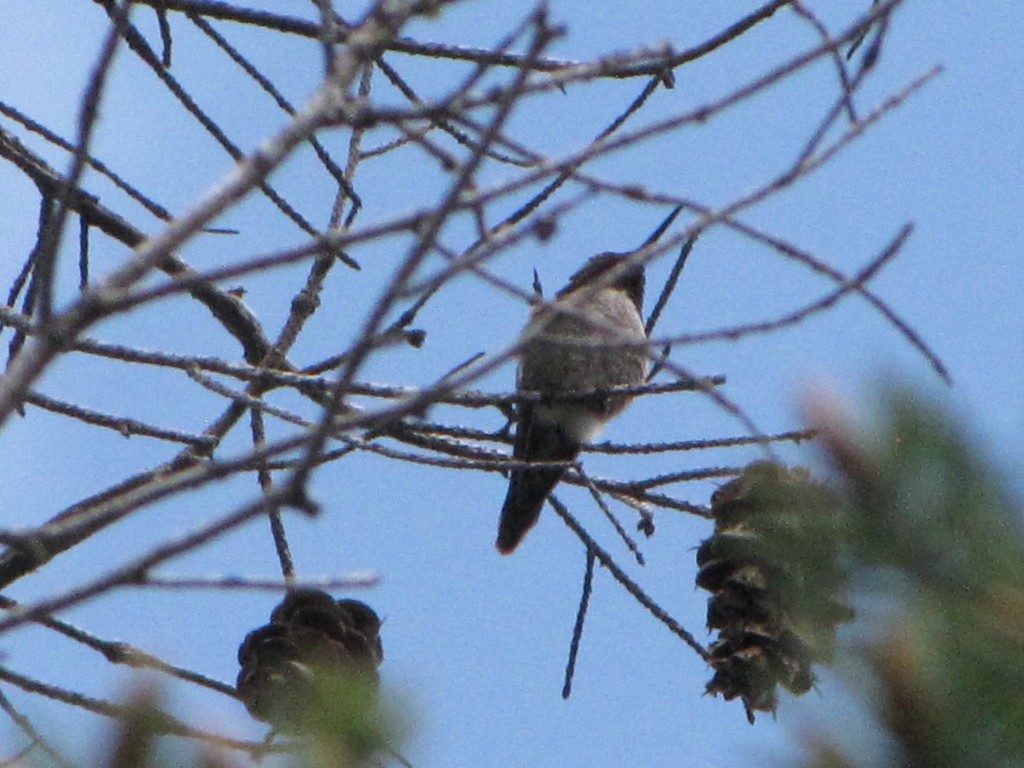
(630, 280)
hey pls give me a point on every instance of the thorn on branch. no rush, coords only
(415, 337)
(859, 40)
(874, 49)
(297, 498)
(544, 229)
(645, 524)
(136, 578)
(871, 54)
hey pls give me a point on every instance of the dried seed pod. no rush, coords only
(309, 634)
(772, 567)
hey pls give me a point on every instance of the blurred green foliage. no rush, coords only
(345, 727)
(937, 536)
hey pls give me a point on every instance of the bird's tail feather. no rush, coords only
(527, 491)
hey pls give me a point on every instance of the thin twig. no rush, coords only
(577, 630)
(46, 255)
(620, 576)
(163, 723)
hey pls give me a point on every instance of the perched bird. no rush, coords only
(589, 339)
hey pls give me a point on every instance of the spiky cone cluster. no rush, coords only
(310, 635)
(772, 567)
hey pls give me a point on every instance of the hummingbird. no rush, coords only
(590, 339)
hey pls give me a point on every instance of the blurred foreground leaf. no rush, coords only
(937, 539)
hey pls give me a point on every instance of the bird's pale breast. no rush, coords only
(556, 363)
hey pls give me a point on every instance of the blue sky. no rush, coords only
(476, 644)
